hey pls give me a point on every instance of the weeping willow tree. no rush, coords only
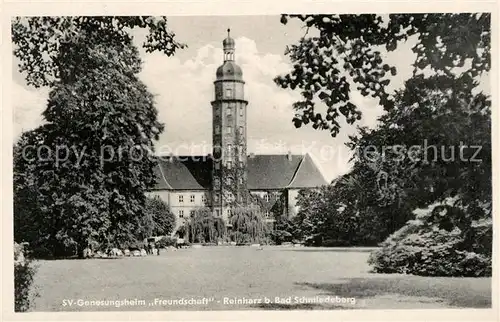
(204, 227)
(248, 225)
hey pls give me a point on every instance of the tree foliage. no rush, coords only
(348, 52)
(157, 219)
(337, 215)
(443, 240)
(51, 50)
(204, 227)
(24, 273)
(247, 225)
(432, 143)
(90, 160)
(414, 162)
(405, 163)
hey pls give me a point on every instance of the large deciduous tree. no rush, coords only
(90, 161)
(349, 51)
(432, 144)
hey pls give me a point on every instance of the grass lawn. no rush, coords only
(221, 275)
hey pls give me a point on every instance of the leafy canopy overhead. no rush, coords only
(349, 52)
(43, 43)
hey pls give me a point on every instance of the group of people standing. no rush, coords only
(152, 250)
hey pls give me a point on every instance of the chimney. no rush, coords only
(289, 156)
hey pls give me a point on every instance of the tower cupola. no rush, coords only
(228, 43)
(229, 70)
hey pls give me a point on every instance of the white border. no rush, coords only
(178, 8)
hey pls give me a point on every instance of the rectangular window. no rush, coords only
(216, 197)
(267, 214)
(229, 130)
(229, 93)
(192, 198)
(191, 213)
(229, 150)
(229, 212)
(217, 212)
(266, 197)
(229, 111)
(203, 199)
(181, 198)
(241, 130)
(229, 164)
(241, 111)
(181, 213)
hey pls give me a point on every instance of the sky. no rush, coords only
(183, 86)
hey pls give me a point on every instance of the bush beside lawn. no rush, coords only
(439, 242)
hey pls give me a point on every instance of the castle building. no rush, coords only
(231, 177)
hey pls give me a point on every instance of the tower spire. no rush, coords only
(228, 45)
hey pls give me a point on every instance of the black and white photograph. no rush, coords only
(274, 162)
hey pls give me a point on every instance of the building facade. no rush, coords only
(231, 177)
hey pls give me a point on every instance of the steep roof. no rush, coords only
(184, 173)
(265, 172)
(268, 171)
(307, 175)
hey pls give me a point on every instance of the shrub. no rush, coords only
(134, 245)
(280, 236)
(335, 243)
(166, 242)
(439, 242)
(42, 253)
(24, 272)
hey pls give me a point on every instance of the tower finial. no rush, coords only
(228, 31)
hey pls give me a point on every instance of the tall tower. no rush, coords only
(229, 119)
